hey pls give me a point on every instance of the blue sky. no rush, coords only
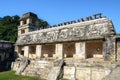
(57, 11)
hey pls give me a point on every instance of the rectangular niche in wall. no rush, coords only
(48, 50)
(94, 49)
(68, 50)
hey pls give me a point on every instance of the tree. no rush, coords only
(42, 23)
(8, 28)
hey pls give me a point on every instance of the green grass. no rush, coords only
(10, 75)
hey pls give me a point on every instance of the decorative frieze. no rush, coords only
(67, 33)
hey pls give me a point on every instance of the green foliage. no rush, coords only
(10, 75)
(8, 28)
(42, 23)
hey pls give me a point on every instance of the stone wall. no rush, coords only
(90, 70)
(37, 68)
(72, 69)
(91, 73)
(6, 50)
(93, 29)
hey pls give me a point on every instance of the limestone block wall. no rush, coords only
(38, 68)
(69, 72)
(85, 73)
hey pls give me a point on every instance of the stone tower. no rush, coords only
(28, 23)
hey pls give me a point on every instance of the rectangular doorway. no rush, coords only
(48, 50)
(68, 50)
(94, 49)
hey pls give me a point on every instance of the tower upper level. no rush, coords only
(28, 23)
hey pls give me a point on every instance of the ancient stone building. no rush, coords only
(6, 54)
(93, 38)
(6, 50)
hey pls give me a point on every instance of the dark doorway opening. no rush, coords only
(93, 49)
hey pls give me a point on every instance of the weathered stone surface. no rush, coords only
(26, 51)
(69, 72)
(80, 50)
(56, 71)
(38, 68)
(118, 50)
(19, 65)
(114, 75)
(83, 73)
(59, 51)
(99, 73)
(78, 31)
(38, 51)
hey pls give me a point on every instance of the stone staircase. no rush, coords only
(56, 71)
(19, 65)
(46, 69)
(38, 68)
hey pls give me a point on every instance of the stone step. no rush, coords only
(38, 68)
(56, 70)
(88, 63)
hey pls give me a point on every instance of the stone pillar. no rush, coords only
(111, 48)
(29, 21)
(21, 23)
(59, 51)
(26, 51)
(104, 50)
(80, 50)
(16, 49)
(38, 51)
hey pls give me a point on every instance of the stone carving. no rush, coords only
(63, 34)
(72, 33)
(51, 35)
(78, 31)
(92, 30)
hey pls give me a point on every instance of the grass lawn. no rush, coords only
(10, 75)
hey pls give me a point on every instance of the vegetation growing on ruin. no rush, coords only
(10, 75)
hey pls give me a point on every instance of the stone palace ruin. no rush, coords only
(68, 50)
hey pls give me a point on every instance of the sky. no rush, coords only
(58, 11)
